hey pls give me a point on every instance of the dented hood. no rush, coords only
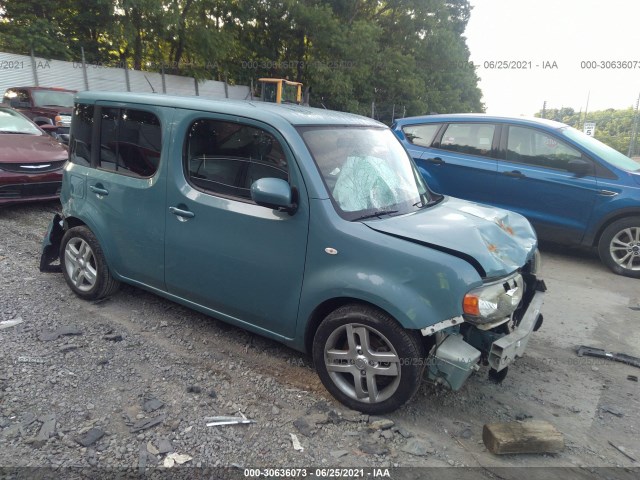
(497, 240)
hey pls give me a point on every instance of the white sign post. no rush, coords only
(589, 128)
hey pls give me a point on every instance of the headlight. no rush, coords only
(493, 301)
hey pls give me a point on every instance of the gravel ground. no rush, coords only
(128, 382)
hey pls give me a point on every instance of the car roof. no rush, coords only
(482, 117)
(51, 89)
(290, 113)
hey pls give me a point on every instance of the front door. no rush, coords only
(534, 179)
(242, 261)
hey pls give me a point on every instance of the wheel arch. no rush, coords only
(74, 221)
(328, 306)
(593, 239)
(70, 222)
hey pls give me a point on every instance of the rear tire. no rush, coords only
(84, 266)
(366, 360)
(619, 247)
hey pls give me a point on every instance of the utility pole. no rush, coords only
(634, 133)
(544, 109)
(586, 109)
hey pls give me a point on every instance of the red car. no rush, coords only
(31, 161)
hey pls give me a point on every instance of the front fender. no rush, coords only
(417, 285)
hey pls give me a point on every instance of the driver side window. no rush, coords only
(539, 149)
(226, 157)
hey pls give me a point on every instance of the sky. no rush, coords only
(575, 34)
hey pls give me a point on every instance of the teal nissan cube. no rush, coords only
(307, 226)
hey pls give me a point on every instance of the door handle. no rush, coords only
(182, 215)
(515, 174)
(607, 193)
(99, 190)
(436, 161)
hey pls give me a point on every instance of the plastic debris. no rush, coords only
(225, 420)
(622, 450)
(173, 458)
(151, 448)
(296, 443)
(10, 323)
(48, 336)
(147, 423)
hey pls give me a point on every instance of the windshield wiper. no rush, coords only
(378, 214)
(14, 131)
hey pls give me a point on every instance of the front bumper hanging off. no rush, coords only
(461, 346)
(508, 348)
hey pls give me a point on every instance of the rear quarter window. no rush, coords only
(130, 142)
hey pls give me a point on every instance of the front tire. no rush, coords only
(366, 360)
(84, 266)
(619, 247)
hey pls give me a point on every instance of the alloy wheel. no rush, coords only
(362, 363)
(625, 248)
(80, 264)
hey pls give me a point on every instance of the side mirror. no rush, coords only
(580, 167)
(273, 193)
(43, 121)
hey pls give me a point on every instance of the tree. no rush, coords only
(613, 127)
(407, 56)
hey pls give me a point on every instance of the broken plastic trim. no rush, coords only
(224, 420)
(436, 327)
(51, 245)
(616, 357)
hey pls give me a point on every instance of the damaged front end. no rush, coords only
(494, 330)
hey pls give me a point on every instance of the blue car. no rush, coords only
(572, 188)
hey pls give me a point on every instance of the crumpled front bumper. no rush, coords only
(508, 348)
(461, 346)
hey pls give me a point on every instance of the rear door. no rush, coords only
(243, 261)
(534, 180)
(117, 148)
(456, 159)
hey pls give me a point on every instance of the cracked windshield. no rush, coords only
(366, 171)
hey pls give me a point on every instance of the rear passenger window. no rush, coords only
(80, 141)
(421, 135)
(469, 138)
(130, 142)
(226, 157)
(533, 147)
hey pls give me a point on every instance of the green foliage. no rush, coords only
(613, 127)
(403, 56)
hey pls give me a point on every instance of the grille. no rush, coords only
(27, 190)
(33, 168)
